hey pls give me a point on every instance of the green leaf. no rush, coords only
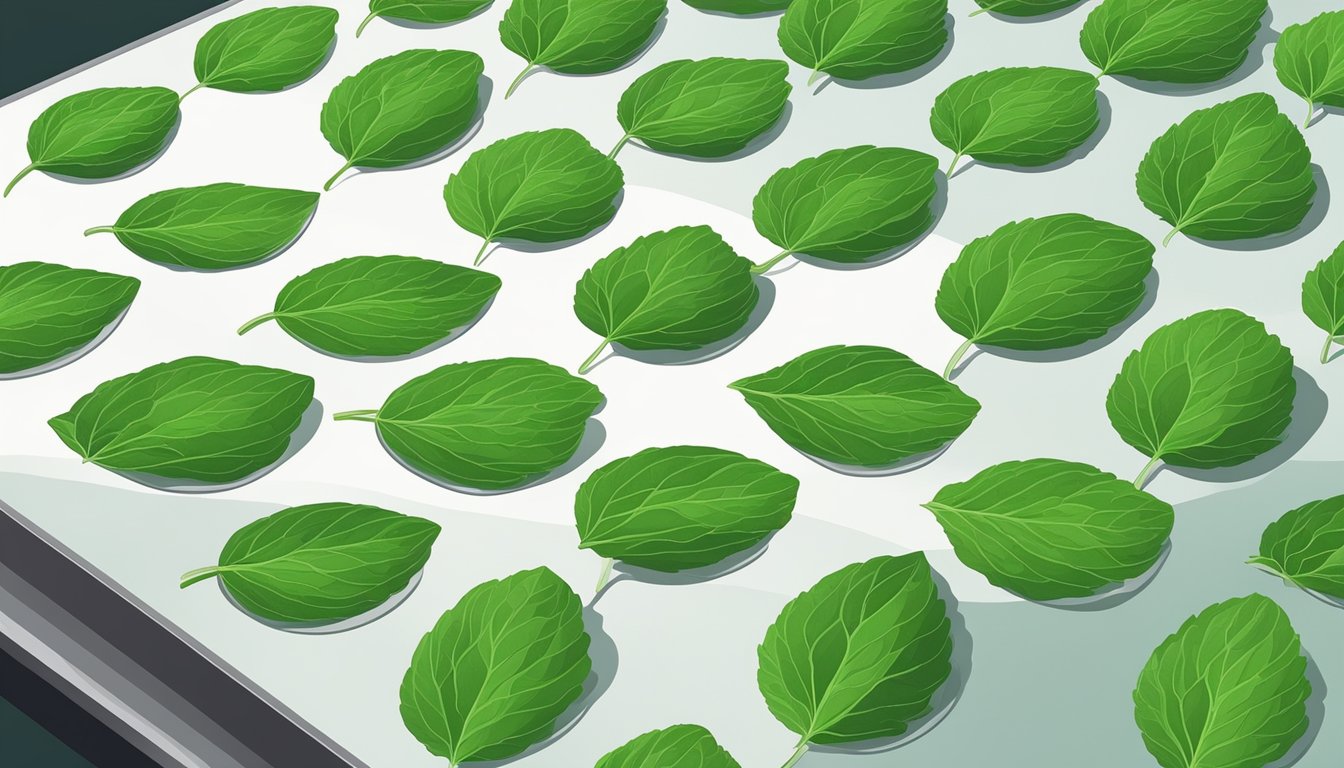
(1046, 283)
(579, 37)
(703, 108)
(540, 186)
(1233, 171)
(218, 226)
(859, 406)
(1309, 59)
(1306, 547)
(1228, 690)
(422, 11)
(488, 425)
(100, 133)
(681, 289)
(740, 7)
(1172, 41)
(1049, 529)
(847, 205)
(49, 311)
(196, 418)
(671, 509)
(321, 563)
(1025, 116)
(860, 655)
(1323, 299)
(677, 746)
(380, 306)
(1022, 8)
(498, 669)
(402, 108)
(859, 39)
(266, 50)
(1214, 389)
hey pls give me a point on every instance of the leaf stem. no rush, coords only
(952, 167)
(327, 187)
(1167, 240)
(604, 577)
(979, 11)
(96, 230)
(365, 415)
(365, 23)
(614, 150)
(587, 365)
(769, 264)
(513, 86)
(797, 755)
(29, 169)
(258, 320)
(200, 574)
(190, 91)
(480, 255)
(1311, 112)
(815, 76)
(956, 358)
(1147, 472)
(1325, 351)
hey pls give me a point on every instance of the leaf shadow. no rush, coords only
(1077, 153)
(1113, 594)
(330, 627)
(897, 79)
(167, 142)
(426, 25)
(655, 35)
(1320, 113)
(532, 246)
(452, 336)
(73, 355)
(729, 565)
(731, 15)
(1320, 205)
(1315, 706)
(908, 464)
(764, 301)
(937, 206)
(308, 424)
(755, 145)
(257, 262)
(1265, 36)
(1051, 16)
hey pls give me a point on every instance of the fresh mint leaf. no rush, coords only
(677, 746)
(498, 669)
(847, 205)
(321, 563)
(860, 655)
(1025, 116)
(266, 50)
(422, 11)
(218, 226)
(1022, 8)
(703, 108)
(1233, 171)
(487, 425)
(680, 289)
(577, 37)
(379, 306)
(1045, 283)
(402, 108)
(859, 406)
(857, 40)
(540, 186)
(100, 133)
(51, 311)
(1323, 299)
(1309, 60)
(1306, 547)
(196, 418)
(1171, 41)
(1214, 389)
(1228, 689)
(1049, 529)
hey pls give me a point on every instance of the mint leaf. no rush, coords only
(740, 7)
(1045, 283)
(402, 108)
(670, 509)
(196, 418)
(320, 563)
(681, 289)
(1022, 8)
(703, 108)
(1049, 529)
(579, 37)
(1026, 116)
(1306, 547)
(422, 11)
(1171, 41)
(266, 50)
(218, 226)
(1323, 299)
(858, 406)
(540, 186)
(498, 669)
(100, 133)
(1214, 389)
(379, 306)
(1228, 689)
(49, 311)
(677, 746)
(847, 205)
(1233, 171)
(487, 425)
(1309, 60)
(860, 654)
(856, 41)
